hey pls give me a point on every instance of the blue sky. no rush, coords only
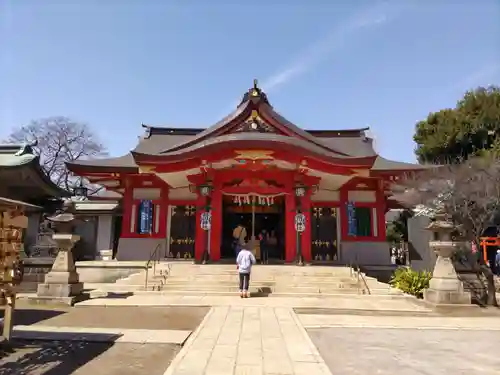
(324, 64)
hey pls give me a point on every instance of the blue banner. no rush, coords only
(146, 217)
(352, 223)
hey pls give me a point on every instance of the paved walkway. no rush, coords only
(238, 340)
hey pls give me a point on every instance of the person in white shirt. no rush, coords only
(244, 262)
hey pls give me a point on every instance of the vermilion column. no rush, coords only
(199, 244)
(344, 223)
(290, 235)
(380, 212)
(216, 232)
(127, 211)
(306, 236)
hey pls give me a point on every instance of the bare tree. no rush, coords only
(468, 192)
(60, 140)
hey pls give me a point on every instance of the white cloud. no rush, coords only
(321, 49)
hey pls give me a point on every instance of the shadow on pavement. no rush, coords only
(32, 316)
(118, 295)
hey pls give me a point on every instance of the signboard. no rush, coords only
(146, 217)
(206, 220)
(352, 224)
(300, 222)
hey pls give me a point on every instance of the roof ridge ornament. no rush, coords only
(254, 94)
(256, 91)
(27, 148)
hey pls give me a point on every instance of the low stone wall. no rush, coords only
(366, 253)
(35, 270)
(107, 271)
(381, 273)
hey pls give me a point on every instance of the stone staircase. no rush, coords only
(183, 278)
(156, 279)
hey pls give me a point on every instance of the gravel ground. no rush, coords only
(361, 351)
(126, 317)
(78, 358)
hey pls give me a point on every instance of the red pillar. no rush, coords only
(344, 223)
(290, 235)
(127, 210)
(380, 212)
(216, 232)
(163, 212)
(200, 239)
(306, 236)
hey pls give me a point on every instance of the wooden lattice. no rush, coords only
(12, 223)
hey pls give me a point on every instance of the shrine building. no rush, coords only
(323, 194)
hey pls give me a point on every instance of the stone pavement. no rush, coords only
(400, 322)
(361, 302)
(86, 358)
(239, 340)
(88, 334)
(370, 351)
(264, 336)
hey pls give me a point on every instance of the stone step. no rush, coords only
(116, 287)
(261, 278)
(256, 293)
(175, 272)
(273, 289)
(323, 284)
(140, 278)
(286, 270)
(267, 288)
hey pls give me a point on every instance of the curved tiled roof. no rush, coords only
(174, 142)
(121, 162)
(14, 156)
(264, 138)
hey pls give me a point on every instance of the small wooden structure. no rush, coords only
(13, 222)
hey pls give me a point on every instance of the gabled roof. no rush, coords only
(228, 142)
(22, 157)
(6, 202)
(172, 144)
(257, 100)
(123, 163)
(12, 155)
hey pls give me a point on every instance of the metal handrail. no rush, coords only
(154, 258)
(354, 266)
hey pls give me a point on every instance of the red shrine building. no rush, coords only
(321, 195)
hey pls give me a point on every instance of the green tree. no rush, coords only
(454, 134)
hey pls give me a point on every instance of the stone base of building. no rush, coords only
(59, 289)
(442, 297)
(58, 301)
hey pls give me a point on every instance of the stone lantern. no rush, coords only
(444, 287)
(62, 283)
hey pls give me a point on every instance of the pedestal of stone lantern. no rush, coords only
(62, 284)
(444, 288)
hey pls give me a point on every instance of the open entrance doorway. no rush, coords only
(256, 218)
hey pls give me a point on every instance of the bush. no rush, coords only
(411, 281)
